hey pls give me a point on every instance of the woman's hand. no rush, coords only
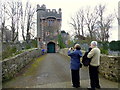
(71, 48)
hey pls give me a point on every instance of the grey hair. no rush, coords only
(94, 43)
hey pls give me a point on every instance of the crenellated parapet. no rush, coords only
(49, 12)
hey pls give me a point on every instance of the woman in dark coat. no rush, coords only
(75, 64)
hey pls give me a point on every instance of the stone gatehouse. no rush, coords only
(48, 27)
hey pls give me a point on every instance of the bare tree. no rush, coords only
(78, 23)
(27, 15)
(30, 14)
(81, 17)
(104, 23)
(74, 24)
(90, 20)
(23, 17)
(2, 20)
(85, 17)
(97, 23)
(13, 12)
(17, 17)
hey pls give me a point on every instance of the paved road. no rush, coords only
(50, 70)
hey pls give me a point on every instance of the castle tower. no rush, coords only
(48, 26)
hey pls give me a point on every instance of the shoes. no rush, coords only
(76, 86)
(90, 88)
(98, 87)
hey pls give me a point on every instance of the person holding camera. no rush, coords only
(75, 64)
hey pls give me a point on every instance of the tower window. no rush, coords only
(50, 22)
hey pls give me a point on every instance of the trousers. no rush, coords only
(75, 78)
(94, 77)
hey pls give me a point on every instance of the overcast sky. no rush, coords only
(70, 7)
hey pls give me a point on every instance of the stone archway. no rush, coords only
(51, 47)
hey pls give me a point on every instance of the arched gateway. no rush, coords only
(51, 47)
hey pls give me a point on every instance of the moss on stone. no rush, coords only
(34, 66)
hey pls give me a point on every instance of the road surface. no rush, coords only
(51, 71)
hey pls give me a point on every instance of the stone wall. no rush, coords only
(14, 64)
(109, 67)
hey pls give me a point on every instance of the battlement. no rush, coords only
(52, 11)
(42, 7)
(49, 12)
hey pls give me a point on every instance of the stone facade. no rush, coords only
(48, 25)
(14, 64)
(109, 67)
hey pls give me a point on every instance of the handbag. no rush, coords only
(85, 60)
